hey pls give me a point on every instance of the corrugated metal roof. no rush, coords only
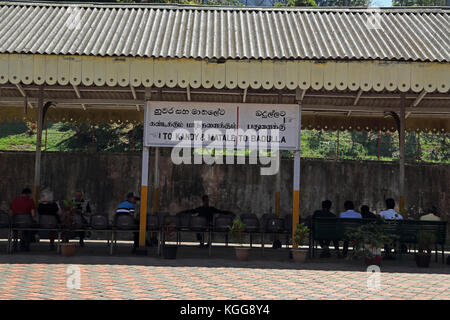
(223, 32)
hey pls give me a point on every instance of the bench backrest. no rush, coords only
(406, 230)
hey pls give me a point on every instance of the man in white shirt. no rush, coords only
(390, 213)
(432, 215)
(349, 213)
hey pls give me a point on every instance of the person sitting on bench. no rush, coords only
(432, 214)
(23, 205)
(128, 208)
(349, 213)
(49, 207)
(326, 213)
(390, 214)
(366, 214)
(208, 212)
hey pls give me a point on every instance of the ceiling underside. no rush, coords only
(321, 109)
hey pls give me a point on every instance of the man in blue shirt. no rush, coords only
(349, 213)
(128, 208)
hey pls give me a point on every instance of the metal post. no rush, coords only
(378, 145)
(337, 146)
(156, 183)
(296, 185)
(278, 191)
(37, 162)
(402, 155)
(144, 187)
(419, 151)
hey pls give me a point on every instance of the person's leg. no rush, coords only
(325, 244)
(81, 235)
(200, 238)
(345, 248)
(336, 244)
(25, 240)
(52, 236)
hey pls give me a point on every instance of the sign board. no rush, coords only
(167, 123)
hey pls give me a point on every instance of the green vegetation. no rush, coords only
(315, 144)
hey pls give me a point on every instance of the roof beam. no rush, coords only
(77, 92)
(419, 98)
(24, 94)
(188, 92)
(133, 93)
(358, 96)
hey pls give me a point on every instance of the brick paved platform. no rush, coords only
(41, 274)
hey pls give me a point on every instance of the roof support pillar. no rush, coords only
(277, 176)
(296, 182)
(144, 182)
(37, 161)
(401, 135)
(156, 183)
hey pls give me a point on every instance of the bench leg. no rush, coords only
(436, 254)
(209, 243)
(111, 246)
(251, 242)
(262, 244)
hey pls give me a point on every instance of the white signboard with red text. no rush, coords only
(167, 123)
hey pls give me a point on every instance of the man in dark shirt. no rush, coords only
(366, 214)
(208, 212)
(23, 205)
(326, 213)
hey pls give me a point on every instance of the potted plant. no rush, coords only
(367, 241)
(425, 241)
(169, 251)
(237, 232)
(301, 234)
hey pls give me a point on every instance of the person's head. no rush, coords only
(348, 205)
(78, 195)
(46, 196)
(390, 203)
(326, 205)
(26, 193)
(205, 200)
(365, 209)
(132, 198)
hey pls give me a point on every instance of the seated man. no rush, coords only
(349, 213)
(208, 212)
(366, 214)
(23, 205)
(390, 214)
(326, 213)
(128, 208)
(432, 214)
